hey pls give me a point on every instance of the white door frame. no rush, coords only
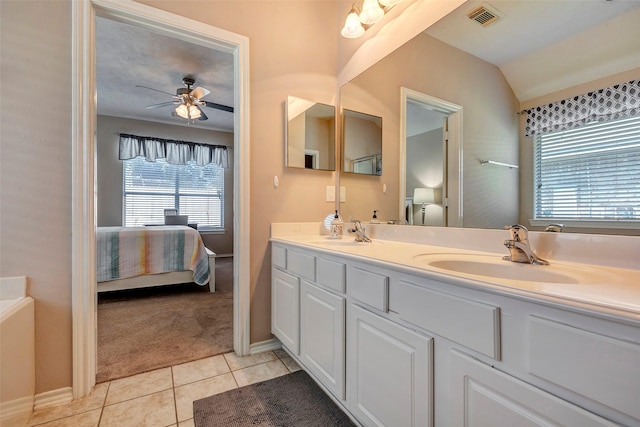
(453, 155)
(84, 297)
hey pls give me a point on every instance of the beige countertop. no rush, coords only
(607, 290)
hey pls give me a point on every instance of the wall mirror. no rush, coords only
(361, 143)
(310, 134)
(490, 196)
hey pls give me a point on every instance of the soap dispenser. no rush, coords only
(374, 219)
(336, 227)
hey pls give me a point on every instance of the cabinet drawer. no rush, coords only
(279, 256)
(472, 324)
(369, 287)
(599, 367)
(301, 264)
(331, 274)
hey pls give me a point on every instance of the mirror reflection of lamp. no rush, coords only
(424, 196)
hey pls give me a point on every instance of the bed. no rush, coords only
(139, 257)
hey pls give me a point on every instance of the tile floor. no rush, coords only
(164, 397)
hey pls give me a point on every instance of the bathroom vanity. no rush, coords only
(410, 330)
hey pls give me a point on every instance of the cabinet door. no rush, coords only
(389, 372)
(322, 331)
(285, 309)
(483, 396)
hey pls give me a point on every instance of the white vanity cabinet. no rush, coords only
(484, 396)
(322, 330)
(308, 313)
(399, 347)
(389, 378)
(285, 309)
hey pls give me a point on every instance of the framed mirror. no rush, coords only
(310, 135)
(361, 143)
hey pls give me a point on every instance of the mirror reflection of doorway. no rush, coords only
(426, 147)
(430, 172)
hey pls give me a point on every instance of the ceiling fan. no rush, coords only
(189, 101)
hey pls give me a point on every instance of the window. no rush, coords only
(589, 173)
(152, 187)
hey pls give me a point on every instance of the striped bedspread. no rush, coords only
(134, 251)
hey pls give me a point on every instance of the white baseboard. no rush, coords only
(262, 346)
(53, 398)
(16, 412)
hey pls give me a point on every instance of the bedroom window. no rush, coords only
(590, 173)
(151, 187)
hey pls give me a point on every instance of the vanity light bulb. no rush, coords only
(371, 12)
(352, 26)
(389, 3)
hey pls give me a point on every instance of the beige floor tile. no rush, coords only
(236, 362)
(139, 385)
(187, 423)
(199, 370)
(93, 401)
(291, 364)
(154, 410)
(261, 372)
(281, 353)
(85, 419)
(186, 394)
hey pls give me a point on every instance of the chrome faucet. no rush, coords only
(358, 229)
(519, 247)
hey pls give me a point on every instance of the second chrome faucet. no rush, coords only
(519, 246)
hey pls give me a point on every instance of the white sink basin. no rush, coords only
(495, 267)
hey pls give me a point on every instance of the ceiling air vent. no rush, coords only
(484, 15)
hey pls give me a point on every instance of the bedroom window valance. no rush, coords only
(615, 102)
(175, 152)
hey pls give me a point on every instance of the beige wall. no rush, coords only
(292, 52)
(35, 172)
(526, 147)
(490, 129)
(109, 171)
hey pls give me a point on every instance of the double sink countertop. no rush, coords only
(461, 257)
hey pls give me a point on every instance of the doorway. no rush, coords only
(83, 169)
(435, 191)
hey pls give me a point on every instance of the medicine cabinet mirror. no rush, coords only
(361, 143)
(310, 134)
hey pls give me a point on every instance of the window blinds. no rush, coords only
(151, 187)
(589, 173)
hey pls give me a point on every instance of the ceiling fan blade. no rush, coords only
(203, 116)
(162, 104)
(161, 91)
(218, 106)
(200, 92)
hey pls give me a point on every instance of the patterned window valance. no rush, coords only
(175, 152)
(615, 102)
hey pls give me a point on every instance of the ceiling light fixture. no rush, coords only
(188, 111)
(358, 20)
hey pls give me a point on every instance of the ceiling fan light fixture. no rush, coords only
(189, 112)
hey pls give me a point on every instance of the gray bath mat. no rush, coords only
(290, 400)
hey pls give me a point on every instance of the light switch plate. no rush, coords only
(331, 193)
(343, 194)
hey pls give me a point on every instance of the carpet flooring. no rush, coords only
(290, 400)
(140, 330)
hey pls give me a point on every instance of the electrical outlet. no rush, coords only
(331, 193)
(343, 194)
